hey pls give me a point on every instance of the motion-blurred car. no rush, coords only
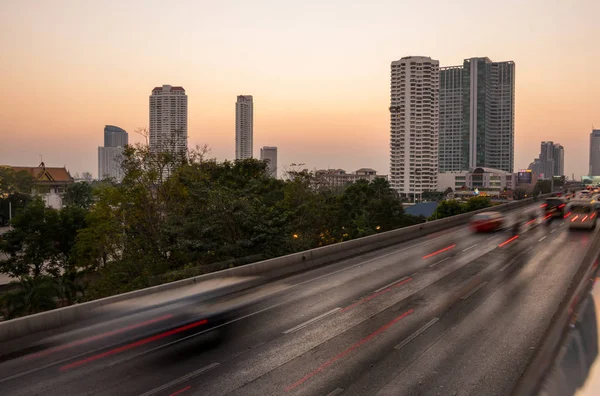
(554, 207)
(582, 215)
(487, 222)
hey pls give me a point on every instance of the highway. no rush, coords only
(454, 313)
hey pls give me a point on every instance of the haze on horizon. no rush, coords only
(319, 72)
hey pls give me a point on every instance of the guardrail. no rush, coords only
(266, 270)
(561, 323)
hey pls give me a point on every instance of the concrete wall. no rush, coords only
(266, 270)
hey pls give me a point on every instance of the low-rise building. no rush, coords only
(339, 178)
(48, 182)
(477, 178)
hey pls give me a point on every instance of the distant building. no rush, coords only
(551, 161)
(115, 136)
(109, 156)
(338, 177)
(595, 153)
(477, 115)
(480, 178)
(49, 182)
(169, 120)
(414, 125)
(269, 154)
(244, 126)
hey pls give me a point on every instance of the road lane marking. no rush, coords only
(511, 262)
(542, 238)
(470, 247)
(492, 237)
(347, 351)
(180, 391)
(469, 294)
(552, 231)
(391, 284)
(311, 321)
(180, 379)
(438, 262)
(335, 392)
(417, 333)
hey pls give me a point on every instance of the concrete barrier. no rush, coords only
(266, 270)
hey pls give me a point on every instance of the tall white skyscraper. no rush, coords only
(244, 126)
(414, 125)
(168, 119)
(269, 153)
(477, 115)
(110, 156)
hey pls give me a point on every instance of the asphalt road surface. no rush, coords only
(455, 313)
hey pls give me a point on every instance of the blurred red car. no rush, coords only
(487, 222)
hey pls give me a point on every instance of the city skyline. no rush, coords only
(320, 92)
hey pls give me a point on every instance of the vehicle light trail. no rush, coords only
(133, 345)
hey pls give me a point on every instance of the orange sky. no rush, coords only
(318, 71)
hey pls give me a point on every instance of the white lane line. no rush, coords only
(542, 238)
(335, 392)
(417, 333)
(469, 294)
(391, 284)
(311, 321)
(438, 262)
(492, 237)
(470, 247)
(552, 231)
(180, 380)
(511, 262)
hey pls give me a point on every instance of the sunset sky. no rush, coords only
(318, 71)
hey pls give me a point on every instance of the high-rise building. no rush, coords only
(477, 107)
(595, 153)
(546, 160)
(168, 119)
(110, 156)
(115, 136)
(414, 125)
(559, 160)
(244, 126)
(453, 144)
(551, 161)
(269, 154)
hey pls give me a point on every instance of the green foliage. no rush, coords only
(172, 216)
(35, 294)
(79, 195)
(542, 186)
(453, 207)
(476, 203)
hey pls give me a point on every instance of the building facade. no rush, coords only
(269, 154)
(168, 120)
(551, 161)
(595, 153)
(244, 126)
(414, 125)
(477, 108)
(480, 178)
(332, 178)
(115, 136)
(50, 183)
(110, 155)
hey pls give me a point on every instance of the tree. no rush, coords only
(30, 245)
(447, 208)
(476, 203)
(542, 186)
(79, 194)
(34, 294)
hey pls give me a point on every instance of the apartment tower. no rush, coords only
(414, 125)
(244, 126)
